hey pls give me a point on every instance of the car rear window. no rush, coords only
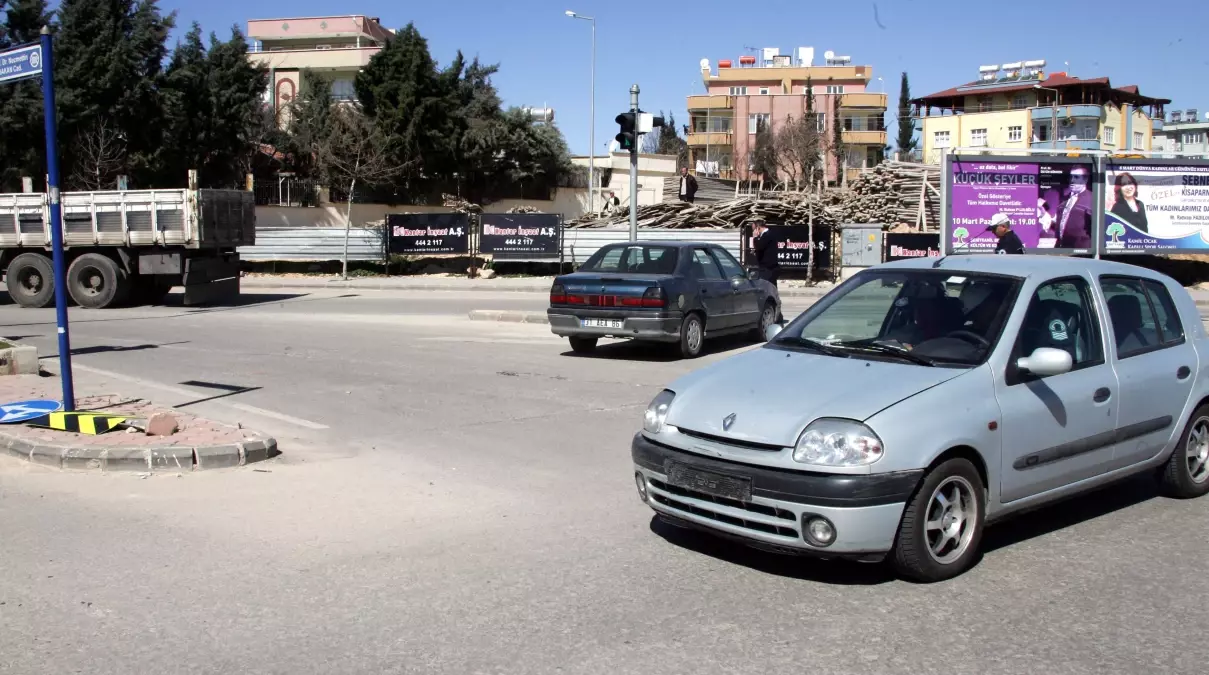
(634, 259)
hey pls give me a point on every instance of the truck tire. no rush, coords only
(31, 280)
(96, 282)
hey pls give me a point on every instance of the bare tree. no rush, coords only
(798, 148)
(100, 157)
(353, 151)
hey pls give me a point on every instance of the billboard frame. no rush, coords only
(1199, 159)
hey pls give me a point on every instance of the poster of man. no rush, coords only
(1156, 205)
(1065, 208)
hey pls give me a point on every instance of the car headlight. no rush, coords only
(656, 412)
(840, 443)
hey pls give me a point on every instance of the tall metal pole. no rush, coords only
(56, 220)
(634, 167)
(592, 130)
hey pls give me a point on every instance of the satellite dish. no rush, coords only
(704, 64)
(829, 55)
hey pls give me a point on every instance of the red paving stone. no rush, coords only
(194, 431)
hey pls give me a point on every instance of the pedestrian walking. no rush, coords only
(688, 186)
(1009, 241)
(765, 246)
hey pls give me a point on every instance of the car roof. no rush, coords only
(1024, 266)
(670, 243)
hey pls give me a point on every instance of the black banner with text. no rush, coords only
(530, 236)
(902, 245)
(428, 233)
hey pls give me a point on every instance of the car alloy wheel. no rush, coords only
(692, 335)
(951, 519)
(1196, 451)
(1186, 473)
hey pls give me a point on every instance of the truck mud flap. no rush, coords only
(210, 281)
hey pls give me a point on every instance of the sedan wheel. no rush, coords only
(1186, 473)
(942, 525)
(692, 336)
(767, 318)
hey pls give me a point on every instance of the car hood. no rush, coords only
(774, 394)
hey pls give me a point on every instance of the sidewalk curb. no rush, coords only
(509, 316)
(484, 286)
(174, 459)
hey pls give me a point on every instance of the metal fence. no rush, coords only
(313, 244)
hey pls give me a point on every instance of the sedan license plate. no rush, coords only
(602, 323)
(715, 484)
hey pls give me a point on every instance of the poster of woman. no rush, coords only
(1156, 205)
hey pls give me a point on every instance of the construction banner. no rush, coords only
(78, 422)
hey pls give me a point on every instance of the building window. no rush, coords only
(940, 139)
(1110, 135)
(738, 91)
(978, 137)
(1015, 134)
(343, 90)
(1042, 133)
(984, 104)
(1194, 138)
(1020, 101)
(876, 123)
(764, 91)
(1139, 139)
(821, 119)
(756, 122)
(835, 89)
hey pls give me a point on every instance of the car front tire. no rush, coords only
(1186, 474)
(941, 528)
(768, 317)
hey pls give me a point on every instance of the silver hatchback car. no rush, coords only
(921, 400)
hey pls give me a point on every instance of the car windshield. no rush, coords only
(924, 317)
(632, 259)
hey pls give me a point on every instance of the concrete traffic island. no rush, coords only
(183, 442)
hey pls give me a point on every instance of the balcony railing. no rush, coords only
(1081, 110)
(343, 58)
(712, 138)
(715, 102)
(865, 137)
(863, 100)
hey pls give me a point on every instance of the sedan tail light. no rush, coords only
(654, 297)
(558, 295)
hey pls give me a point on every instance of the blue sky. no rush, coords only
(544, 56)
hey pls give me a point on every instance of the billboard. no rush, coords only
(1051, 203)
(904, 245)
(428, 233)
(530, 236)
(1155, 205)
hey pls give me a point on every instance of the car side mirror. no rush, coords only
(753, 274)
(738, 282)
(1046, 361)
(772, 331)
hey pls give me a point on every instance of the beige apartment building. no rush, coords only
(336, 47)
(770, 88)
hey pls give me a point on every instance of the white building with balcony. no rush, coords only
(334, 47)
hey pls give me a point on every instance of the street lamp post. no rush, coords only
(592, 115)
(1053, 124)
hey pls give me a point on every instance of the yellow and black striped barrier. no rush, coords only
(79, 422)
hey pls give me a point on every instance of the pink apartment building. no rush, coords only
(769, 89)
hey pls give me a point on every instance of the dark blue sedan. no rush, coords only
(661, 291)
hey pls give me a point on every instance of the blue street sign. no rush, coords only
(11, 413)
(20, 63)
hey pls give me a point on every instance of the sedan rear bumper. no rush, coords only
(661, 327)
(864, 510)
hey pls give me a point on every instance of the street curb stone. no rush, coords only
(161, 459)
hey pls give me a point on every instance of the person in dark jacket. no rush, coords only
(688, 186)
(1009, 241)
(765, 245)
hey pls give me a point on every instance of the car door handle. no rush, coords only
(1183, 372)
(1101, 395)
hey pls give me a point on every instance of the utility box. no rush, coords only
(862, 245)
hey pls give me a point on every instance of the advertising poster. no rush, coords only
(428, 233)
(1156, 206)
(1051, 205)
(903, 245)
(521, 235)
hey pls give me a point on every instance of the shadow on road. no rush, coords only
(656, 352)
(804, 568)
(107, 349)
(242, 302)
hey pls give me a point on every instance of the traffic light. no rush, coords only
(628, 138)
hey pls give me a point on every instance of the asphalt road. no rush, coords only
(456, 497)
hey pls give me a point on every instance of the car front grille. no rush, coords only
(670, 501)
(734, 442)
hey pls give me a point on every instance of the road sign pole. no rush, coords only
(56, 219)
(634, 166)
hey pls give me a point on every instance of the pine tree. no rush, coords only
(236, 92)
(22, 145)
(906, 125)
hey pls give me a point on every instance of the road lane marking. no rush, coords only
(282, 417)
